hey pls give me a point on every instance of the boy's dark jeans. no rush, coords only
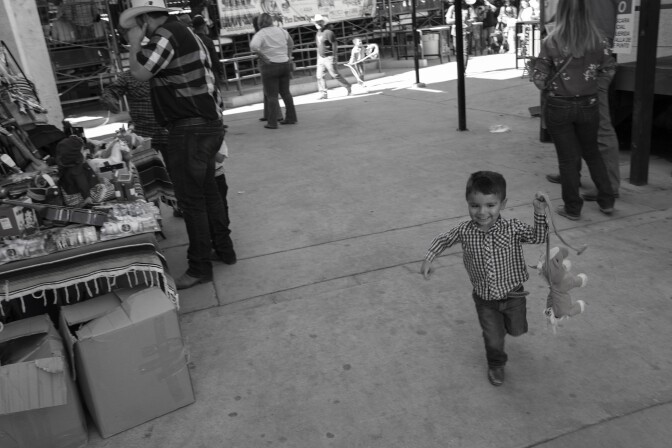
(497, 318)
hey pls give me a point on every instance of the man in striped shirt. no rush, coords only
(493, 257)
(187, 102)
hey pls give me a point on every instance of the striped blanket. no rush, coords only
(84, 272)
(154, 176)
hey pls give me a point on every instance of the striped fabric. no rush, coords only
(83, 272)
(494, 259)
(183, 85)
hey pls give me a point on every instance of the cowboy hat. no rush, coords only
(138, 7)
(320, 18)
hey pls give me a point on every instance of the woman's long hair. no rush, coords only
(575, 33)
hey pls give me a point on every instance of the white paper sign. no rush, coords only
(625, 27)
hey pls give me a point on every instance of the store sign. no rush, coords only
(236, 15)
(625, 27)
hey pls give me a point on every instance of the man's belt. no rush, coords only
(190, 121)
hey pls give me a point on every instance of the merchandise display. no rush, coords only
(78, 249)
(61, 200)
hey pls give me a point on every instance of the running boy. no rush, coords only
(493, 257)
(356, 55)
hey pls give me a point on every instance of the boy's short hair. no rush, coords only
(487, 182)
(356, 39)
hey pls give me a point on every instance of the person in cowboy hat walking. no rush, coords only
(326, 56)
(187, 102)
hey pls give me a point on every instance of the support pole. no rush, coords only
(459, 49)
(416, 50)
(645, 77)
(544, 136)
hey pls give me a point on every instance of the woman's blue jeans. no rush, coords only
(573, 123)
(275, 79)
(499, 318)
(190, 159)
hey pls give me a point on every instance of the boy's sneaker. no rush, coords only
(322, 97)
(496, 375)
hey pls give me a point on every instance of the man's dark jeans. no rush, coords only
(223, 188)
(190, 159)
(573, 123)
(497, 318)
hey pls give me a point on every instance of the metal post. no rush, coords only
(389, 24)
(645, 77)
(544, 136)
(459, 44)
(415, 46)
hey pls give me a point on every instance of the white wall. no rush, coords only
(21, 31)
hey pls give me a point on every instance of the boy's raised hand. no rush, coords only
(426, 269)
(539, 201)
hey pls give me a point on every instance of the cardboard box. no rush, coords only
(39, 404)
(129, 357)
(16, 220)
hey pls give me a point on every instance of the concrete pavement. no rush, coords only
(325, 335)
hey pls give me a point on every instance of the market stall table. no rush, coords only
(83, 272)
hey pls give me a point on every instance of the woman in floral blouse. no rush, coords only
(579, 51)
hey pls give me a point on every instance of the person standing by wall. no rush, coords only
(273, 45)
(187, 102)
(327, 53)
(507, 17)
(604, 14)
(578, 53)
(468, 18)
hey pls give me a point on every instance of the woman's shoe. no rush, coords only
(268, 126)
(562, 212)
(286, 122)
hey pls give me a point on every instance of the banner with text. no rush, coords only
(236, 15)
(625, 27)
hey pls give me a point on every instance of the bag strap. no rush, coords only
(557, 72)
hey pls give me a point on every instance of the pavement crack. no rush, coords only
(598, 423)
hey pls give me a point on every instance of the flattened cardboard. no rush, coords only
(130, 359)
(39, 404)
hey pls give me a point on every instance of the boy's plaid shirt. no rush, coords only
(494, 259)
